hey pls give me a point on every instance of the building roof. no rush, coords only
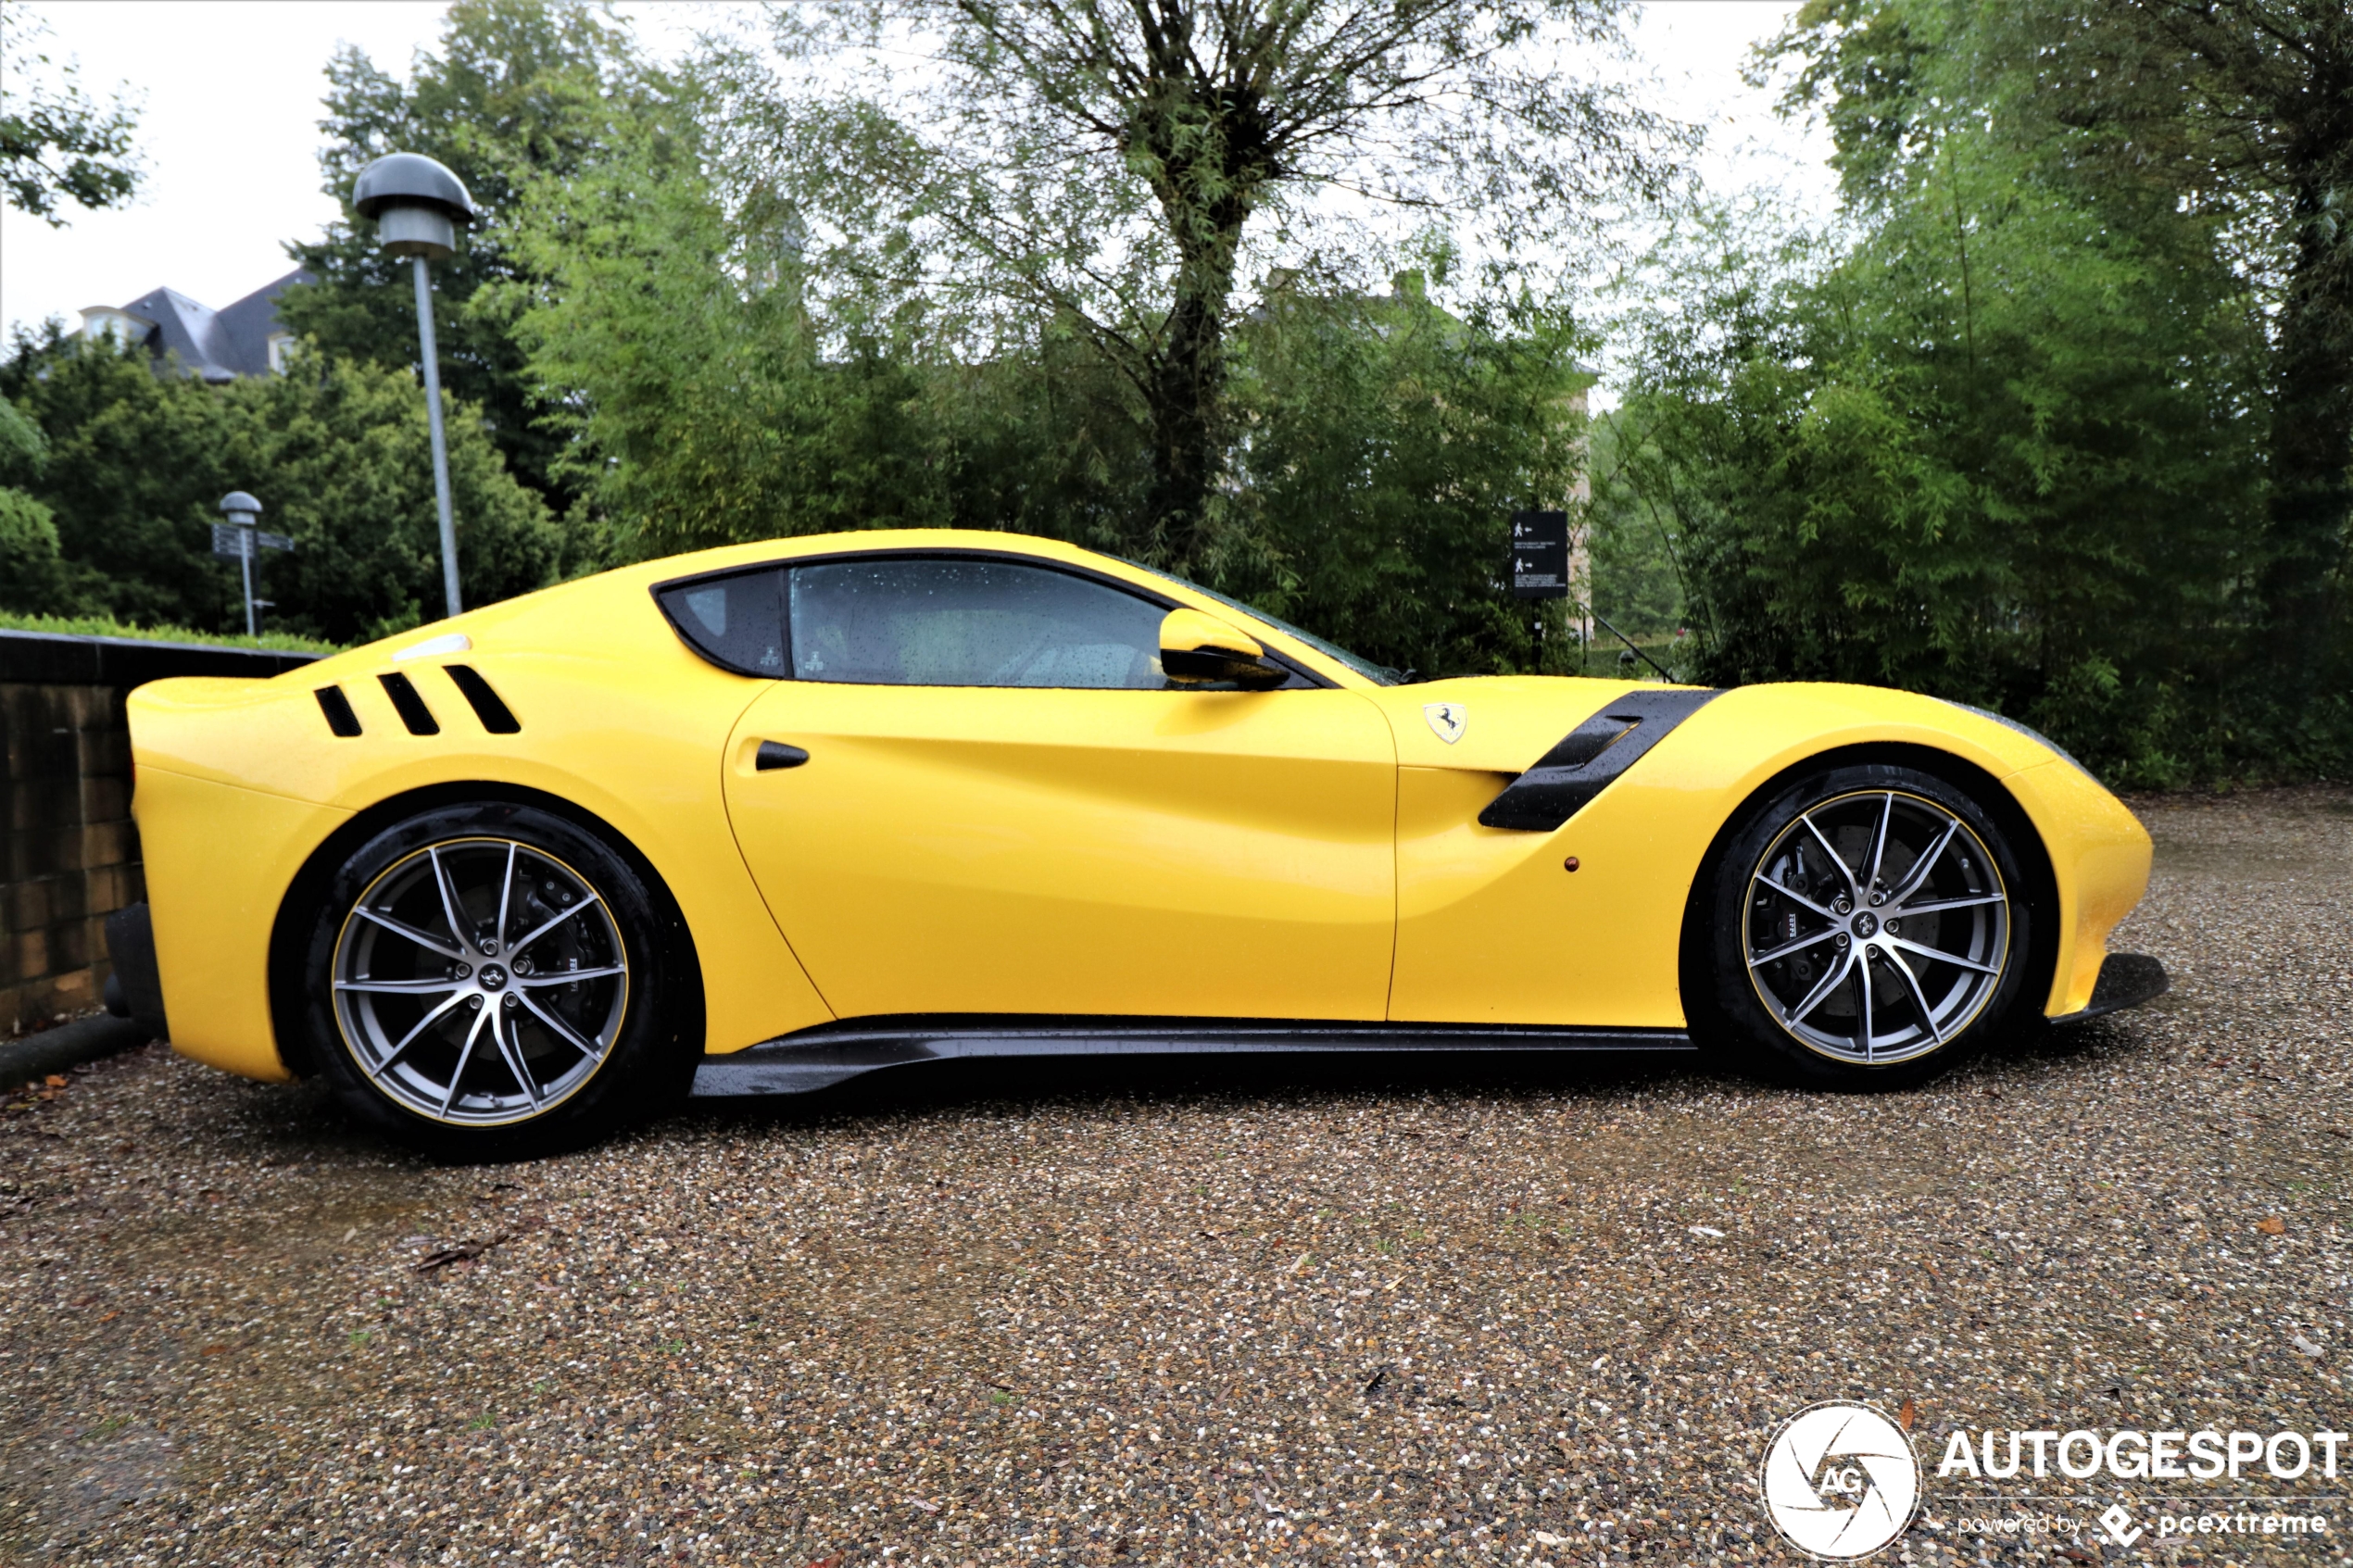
(214, 344)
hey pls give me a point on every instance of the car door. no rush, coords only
(1005, 808)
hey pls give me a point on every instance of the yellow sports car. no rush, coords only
(763, 818)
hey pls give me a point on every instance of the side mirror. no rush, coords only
(1196, 647)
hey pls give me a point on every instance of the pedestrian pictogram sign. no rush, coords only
(1540, 555)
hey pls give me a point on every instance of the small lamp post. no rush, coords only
(419, 206)
(238, 539)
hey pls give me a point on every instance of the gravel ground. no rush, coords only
(1186, 1315)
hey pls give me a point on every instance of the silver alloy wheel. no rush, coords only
(480, 981)
(1877, 928)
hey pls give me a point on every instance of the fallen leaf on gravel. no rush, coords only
(2307, 1346)
(1908, 1414)
(2272, 1224)
(465, 1251)
(214, 1351)
(55, 1079)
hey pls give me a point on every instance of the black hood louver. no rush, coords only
(496, 716)
(409, 705)
(341, 720)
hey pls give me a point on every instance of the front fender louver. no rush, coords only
(1590, 758)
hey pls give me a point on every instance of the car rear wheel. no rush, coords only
(488, 981)
(1870, 927)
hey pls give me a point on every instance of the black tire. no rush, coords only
(1947, 952)
(551, 1018)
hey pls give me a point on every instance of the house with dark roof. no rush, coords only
(244, 339)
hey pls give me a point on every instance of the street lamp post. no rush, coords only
(418, 207)
(239, 539)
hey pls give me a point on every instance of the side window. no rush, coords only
(736, 623)
(908, 622)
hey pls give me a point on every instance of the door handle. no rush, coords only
(776, 754)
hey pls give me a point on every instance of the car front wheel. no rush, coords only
(1870, 927)
(486, 981)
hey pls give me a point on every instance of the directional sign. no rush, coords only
(1540, 555)
(229, 540)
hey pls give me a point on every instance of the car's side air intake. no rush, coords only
(337, 707)
(409, 705)
(1590, 757)
(496, 716)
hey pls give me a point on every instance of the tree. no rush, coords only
(1384, 443)
(1106, 168)
(2205, 128)
(2270, 92)
(344, 449)
(57, 142)
(137, 465)
(1994, 449)
(1377, 444)
(338, 451)
(29, 564)
(702, 410)
(520, 89)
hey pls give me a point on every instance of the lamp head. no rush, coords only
(418, 205)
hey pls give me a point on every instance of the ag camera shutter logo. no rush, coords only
(1840, 1480)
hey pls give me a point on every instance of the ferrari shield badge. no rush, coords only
(1447, 719)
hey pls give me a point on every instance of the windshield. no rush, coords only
(1379, 675)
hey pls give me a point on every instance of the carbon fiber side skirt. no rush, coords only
(830, 1053)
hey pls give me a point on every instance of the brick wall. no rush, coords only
(73, 852)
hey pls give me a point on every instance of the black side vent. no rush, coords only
(409, 705)
(1591, 758)
(496, 716)
(337, 707)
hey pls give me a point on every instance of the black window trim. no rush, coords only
(921, 552)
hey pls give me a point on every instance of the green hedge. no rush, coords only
(105, 626)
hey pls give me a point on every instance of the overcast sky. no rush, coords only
(231, 94)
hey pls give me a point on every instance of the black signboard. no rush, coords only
(229, 540)
(1540, 555)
